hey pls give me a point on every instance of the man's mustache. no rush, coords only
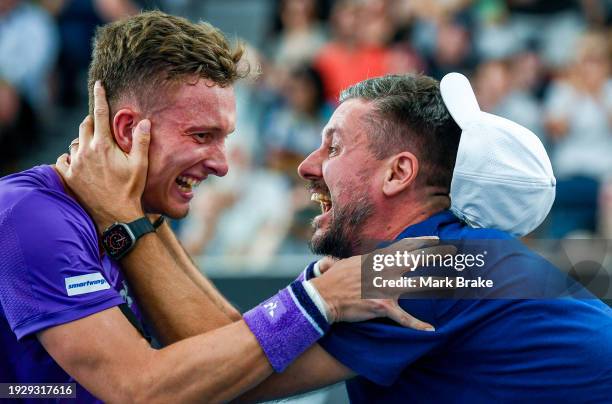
(318, 186)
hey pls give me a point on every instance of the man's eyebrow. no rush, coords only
(200, 128)
(329, 132)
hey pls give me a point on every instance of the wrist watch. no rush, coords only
(119, 238)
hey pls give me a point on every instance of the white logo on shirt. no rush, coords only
(78, 285)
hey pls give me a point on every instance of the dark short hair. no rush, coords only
(146, 51)
(409, 114)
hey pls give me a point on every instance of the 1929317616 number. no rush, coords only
(37, 390)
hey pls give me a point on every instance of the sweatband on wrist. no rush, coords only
(286, 325)
(317, 299)
(311, 271)
(316, 271)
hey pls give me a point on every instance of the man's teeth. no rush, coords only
(318, 197)
(187, 183)
(323, 200)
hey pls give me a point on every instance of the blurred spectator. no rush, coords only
(358, 48)
(554, 25)
(292, 131)
(491, 84)
(18, 128)
(493, 36)
(28, 49)
(522, 104)
(297, 38)
(293, 128)
(579, 113)
(453, 50)
(428, 15)
(77, 21)
(301, 34)
(579, 108)
(508, 88)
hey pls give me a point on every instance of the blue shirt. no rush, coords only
(51, 273)
(483, 350)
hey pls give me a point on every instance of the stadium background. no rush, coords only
(543, 63)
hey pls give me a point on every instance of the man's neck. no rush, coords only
(390, 224)
(61, 178)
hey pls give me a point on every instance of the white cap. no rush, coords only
(503, 178)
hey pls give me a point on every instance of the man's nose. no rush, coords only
(217, 162)
(311, 167)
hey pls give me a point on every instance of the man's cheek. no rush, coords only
(327, 170)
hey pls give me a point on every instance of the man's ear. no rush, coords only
(401, 172)
(124, 122)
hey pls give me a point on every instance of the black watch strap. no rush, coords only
(140, 227)
(160, 220)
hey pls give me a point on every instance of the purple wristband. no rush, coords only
(286, 325)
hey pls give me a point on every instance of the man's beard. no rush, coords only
(343, 237)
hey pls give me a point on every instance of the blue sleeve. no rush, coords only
(380, 350)
(50, 264)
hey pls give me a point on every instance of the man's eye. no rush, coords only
(331, 150)
(202, 136)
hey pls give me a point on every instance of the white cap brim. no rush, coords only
(459, 99)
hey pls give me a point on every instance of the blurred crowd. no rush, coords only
(542, 63)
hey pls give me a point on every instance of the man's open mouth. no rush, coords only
(186, 184)
(323, 199)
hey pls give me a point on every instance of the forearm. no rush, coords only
(186, 264)
(313, 370)
(214, 367)
(172, 303)
(241, 355)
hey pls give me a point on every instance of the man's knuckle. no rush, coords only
(95, 148)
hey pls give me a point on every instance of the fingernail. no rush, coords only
(145, 125)
(430, 329)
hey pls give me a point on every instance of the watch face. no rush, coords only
(117, 240)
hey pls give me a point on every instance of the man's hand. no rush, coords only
(107, 181)
(340, 285)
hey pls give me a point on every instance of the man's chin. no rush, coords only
(171, 212)
(177, 214)
(329, 243)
